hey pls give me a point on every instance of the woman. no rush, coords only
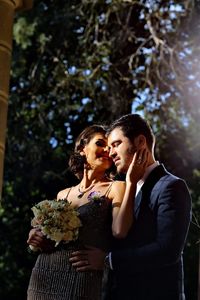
(105, 208)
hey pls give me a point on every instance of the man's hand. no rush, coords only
(37, 239)
(88, 259)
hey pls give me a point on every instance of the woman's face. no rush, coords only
(96, 152)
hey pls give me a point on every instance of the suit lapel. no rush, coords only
(138, 200)
(147, 187)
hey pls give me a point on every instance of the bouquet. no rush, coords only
(57, 220)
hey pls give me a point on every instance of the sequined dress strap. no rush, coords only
(68, 192)
(108, 189)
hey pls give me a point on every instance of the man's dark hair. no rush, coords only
(132, 125)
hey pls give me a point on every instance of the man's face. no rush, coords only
(121, 150)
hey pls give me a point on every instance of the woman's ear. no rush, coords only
(140, 141)
(80, 147)
(82, 152)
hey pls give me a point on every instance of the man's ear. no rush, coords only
(140, 141)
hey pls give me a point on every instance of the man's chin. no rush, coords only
(120, 169)
(121, 174)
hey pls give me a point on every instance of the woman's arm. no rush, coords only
(122, 208)
(123, 196)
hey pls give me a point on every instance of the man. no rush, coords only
(147, 264)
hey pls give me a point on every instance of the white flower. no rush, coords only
(58, 220)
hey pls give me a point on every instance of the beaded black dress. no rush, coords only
(53, 277)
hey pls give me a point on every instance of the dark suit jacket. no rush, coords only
(148, 262)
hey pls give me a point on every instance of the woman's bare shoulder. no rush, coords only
(119, 184)
(63, 194)
(118, 188)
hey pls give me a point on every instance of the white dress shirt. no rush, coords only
(146, 174)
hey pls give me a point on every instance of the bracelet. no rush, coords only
(107, 262)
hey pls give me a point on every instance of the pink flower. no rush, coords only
(94, 196)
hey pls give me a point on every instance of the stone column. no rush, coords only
(7, 12)
(199, 276)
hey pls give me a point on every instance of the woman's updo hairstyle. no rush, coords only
(76, 160)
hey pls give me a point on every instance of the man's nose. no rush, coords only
(112, 152)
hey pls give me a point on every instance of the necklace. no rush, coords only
(81, 193)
